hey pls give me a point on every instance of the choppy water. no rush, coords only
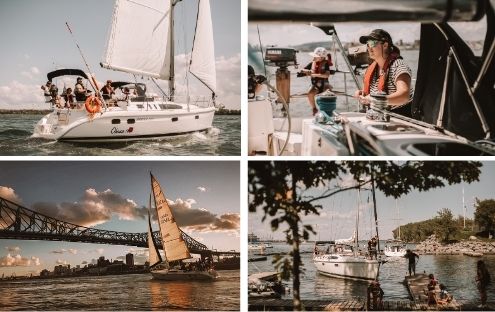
(458, 273)
(121, 292)
(224, 139)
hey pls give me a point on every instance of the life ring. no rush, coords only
(93, 105)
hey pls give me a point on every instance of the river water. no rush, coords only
(224, 139)
(458, 273)
(122, 292)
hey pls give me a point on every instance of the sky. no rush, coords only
(39, 42)
(337, 218)
(110, 195)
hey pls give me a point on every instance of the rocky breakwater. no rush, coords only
(431, 246)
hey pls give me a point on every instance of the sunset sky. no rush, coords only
(41, 43)
(110, 195)
(337, 218)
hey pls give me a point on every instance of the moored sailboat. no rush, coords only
(395, 247)
(141, 42)
(174, 247)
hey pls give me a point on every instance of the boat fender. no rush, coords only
(93, 105)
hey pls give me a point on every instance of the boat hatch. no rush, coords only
(446, 149)
(393, 127)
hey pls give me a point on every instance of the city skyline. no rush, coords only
(113, 195)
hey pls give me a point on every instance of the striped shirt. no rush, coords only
(397, 68)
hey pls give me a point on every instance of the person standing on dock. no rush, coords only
(482, 281)
(411, 256)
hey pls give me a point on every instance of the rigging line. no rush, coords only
(187, 56)
(261, 48)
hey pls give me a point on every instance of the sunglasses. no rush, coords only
(372, 43)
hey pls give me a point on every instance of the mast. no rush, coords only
(374, 209)
(464, 206)
(398, 216)
(356, 239)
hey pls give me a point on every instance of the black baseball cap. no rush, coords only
(377, 34)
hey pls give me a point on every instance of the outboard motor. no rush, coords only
(281, 58)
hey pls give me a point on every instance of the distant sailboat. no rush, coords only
(395, 247)
(174, 247)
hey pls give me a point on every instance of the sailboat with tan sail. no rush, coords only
(174, 247)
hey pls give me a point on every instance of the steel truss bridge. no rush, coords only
(17, 222)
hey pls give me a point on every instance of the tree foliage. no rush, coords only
(443, 226)
(484, 215)
(288, 190)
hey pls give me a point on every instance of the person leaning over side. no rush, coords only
(387, 73)
(411, 256)
(319, 71)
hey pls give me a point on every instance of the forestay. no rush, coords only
(173, 244)
(140, 38)
(203, 52)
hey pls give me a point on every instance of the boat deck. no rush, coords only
(417, 286)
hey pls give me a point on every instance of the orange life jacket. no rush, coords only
(382, 80)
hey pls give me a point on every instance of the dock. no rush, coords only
(358, 304)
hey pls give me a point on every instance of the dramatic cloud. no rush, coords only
(9, 194)
(62, 251)
(201, 219)
(18, 260)
(201, 188)
(92, 209)
(13, 249)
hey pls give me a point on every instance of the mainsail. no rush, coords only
(140, 38)
(174, 246)
(154, 255)
(203, 52)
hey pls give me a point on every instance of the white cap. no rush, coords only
(319, 52)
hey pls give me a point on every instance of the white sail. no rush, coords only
(140, 38)
(174, 246)
(154, 255)
(203, 53)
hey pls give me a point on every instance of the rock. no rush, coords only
(473, 237)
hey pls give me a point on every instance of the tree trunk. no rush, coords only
(296, 262)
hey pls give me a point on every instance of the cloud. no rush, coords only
(9, 194)
(201, 188)
(201, 219)
(18, 94)
(61, 262)
(18, 260)
(13, 249)
(62, 251)
(93, 208)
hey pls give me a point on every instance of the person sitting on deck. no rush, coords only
(444, 297)
(69, 98)
(46, 91)
(432, 295)
(433, 281)
(107, 90)
(80, 90)
(56, 99)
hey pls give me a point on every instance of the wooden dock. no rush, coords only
(358, 304)
(417, 286)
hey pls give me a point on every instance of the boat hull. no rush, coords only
(347, 267)
(117, 125)
(179, 275)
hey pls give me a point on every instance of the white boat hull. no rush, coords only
(347, 267)
(123, 124)
(179, 275)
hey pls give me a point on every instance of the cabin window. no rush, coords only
(170, 106)
(175, 119)
(131, 121)
(115, 121)
(140, 106)
(196, 117)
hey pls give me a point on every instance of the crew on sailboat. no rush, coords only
(107, 90)
(46, 90)
(79, 90)
(388, 73)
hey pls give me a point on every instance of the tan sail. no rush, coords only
(154, 255)
(174, 246)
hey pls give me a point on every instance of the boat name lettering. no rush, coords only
(144, 118)
(115, 130)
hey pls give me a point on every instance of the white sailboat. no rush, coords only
(341, 259)
(141, 42)
(174, 247)
(395, 247)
